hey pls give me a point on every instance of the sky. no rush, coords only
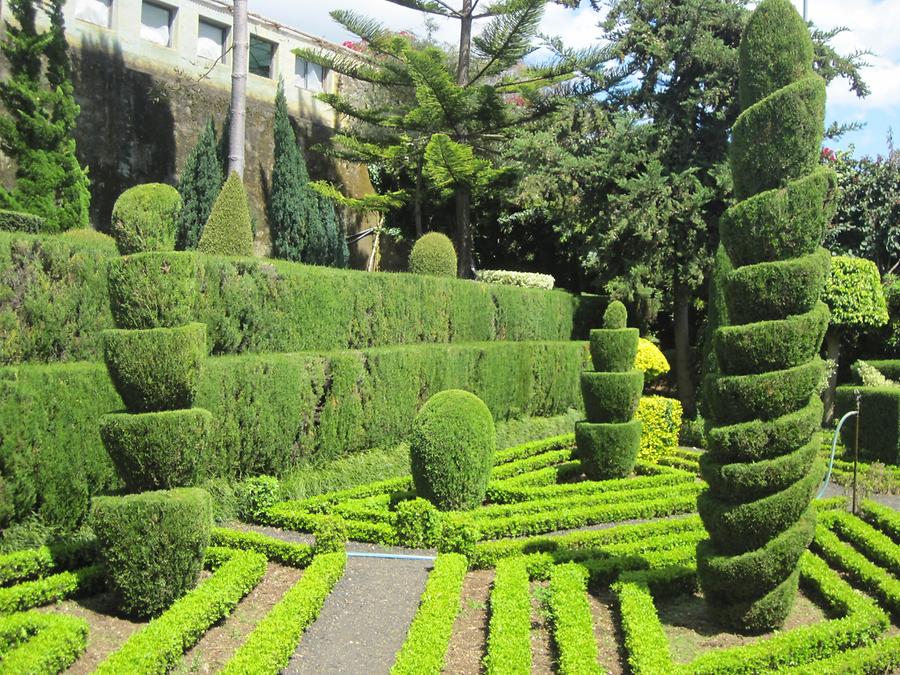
(872, 26)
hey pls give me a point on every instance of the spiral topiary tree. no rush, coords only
(609, 440)
(761, 461)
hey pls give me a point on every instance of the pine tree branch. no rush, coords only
(436, 7)
(507, 38)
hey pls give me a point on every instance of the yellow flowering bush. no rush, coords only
(650, 360)
(661, 418)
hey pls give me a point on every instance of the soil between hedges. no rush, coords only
(468, 641)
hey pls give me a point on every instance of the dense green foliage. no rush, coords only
(158, 368)
(509, 635)
(573, 630)
(854, 294)
(17, 221)
(36, 131)
(271, 411)
(757, 515)
(879, 421)
(55, 302)
(39, 642)
(451, 450)
(144, 218)
(152, 545)
(433, 254)
(608, 440)
(199, 183)
(651, 361)
(228, 230)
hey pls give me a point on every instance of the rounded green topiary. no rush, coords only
(614, 349)
(763, 408)
(229, 230)
(152, 546)
(157, 450)
(433, 253)
(611, 397)
(144, 217)
(158, 368)
(153, 290)
(615, 316)
(607, 450)
(451, 450)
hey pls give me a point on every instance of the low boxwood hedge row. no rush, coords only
(33, 643)
(269, 647)
(877, 547)
(272, 412)
(284, 552)
(646, 643)
(54, 588)
(27, 564)
(429, 634)
(885, 519)
(509, 630)
(874, 579)
(253, 304)
(527, 464)
(159, 646)
(573, 631)
(882, 656)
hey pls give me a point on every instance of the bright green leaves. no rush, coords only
(854, 293)
(449, 165)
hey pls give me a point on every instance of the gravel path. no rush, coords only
(364, 621)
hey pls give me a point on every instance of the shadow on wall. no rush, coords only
(126, 132)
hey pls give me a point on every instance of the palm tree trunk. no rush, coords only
(240, 65)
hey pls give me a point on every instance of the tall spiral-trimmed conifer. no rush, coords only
(761, 463)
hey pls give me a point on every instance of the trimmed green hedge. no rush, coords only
(879, 421)
(573, 631)
(54, 303)
(608, 450)
(271, 411)
(36, 642)
(509, 633)
(18, 221)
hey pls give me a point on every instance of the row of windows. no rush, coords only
(157, 26)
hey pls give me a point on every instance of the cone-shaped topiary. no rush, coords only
(608, 441)
(451, 450)
(763, 405)
(433, 253)
(144, 218)
(228, 231)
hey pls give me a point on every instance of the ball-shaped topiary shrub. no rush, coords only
(763, 408)
(451, 450)
(229, 230)
(144, 217)
(157, 450)
(433, 254)
(157, 368)
(615, 316)
(153, 290)
(152, 545)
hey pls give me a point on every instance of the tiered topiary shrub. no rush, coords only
(451, 450)
(433, 254)
(764, 405)
(608, 441)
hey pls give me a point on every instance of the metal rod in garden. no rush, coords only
(855, 452)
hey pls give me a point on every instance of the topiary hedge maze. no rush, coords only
(761, 461)
(609, 440)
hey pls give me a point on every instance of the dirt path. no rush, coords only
(364, 621)
(468, 642)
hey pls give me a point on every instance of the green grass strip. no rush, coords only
(572, 628)
(509, 630)
(878, 547)
(426, 643)
(287, 553)
(269, 647)
(160, 645)
(860, 569)
(54, 588)
(884, 518)
(34, 643)
(882, 656)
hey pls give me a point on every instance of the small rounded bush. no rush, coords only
(158, 368)
(144, 217)
(607, 450)
(651, 361)
(255, 495)
(611, 397)
(157, 450)
(153, 290)
(228, 230)
(615, 316)
(614, 349)
(433, 254)
(152, 545)
(451, 450)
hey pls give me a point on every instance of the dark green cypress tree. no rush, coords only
(201, 180)
(294, 216)
(37, 130)
(339, 253)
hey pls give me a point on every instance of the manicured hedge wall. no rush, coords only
(54, 303)
(879, 421)
(270, 410)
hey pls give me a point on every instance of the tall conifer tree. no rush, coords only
(201, 180)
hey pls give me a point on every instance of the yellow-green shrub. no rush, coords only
(661, 419)
(651, 360)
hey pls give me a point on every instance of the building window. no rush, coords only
(309, 75)
(156, 23)
(94, 11)
(262, 56)
(211, 38)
